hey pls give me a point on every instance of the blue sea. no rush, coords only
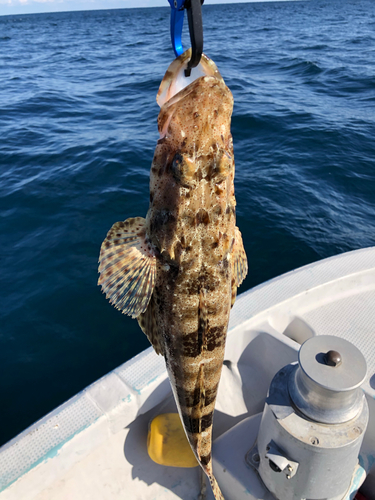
(77, 134)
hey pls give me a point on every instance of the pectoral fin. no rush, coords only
(127, 267)
(239, 259)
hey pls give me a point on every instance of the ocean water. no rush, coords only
(77, 135)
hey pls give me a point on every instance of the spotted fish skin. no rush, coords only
(191, 248)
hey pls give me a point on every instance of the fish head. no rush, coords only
(175, 80)
(194, 125)
(194, 154)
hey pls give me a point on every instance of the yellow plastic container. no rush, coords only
(167, 443)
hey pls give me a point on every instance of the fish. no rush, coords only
(177, 270)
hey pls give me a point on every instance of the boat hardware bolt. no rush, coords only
(332, 358)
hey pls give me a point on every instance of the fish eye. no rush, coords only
(183, 170)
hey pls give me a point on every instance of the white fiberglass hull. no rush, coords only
(94, 446)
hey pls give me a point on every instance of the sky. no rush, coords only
(37, 6)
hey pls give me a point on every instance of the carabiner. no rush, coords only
(177, 22)
(194, 11)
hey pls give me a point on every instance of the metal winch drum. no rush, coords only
(313, 423)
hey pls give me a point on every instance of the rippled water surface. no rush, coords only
(77, 134)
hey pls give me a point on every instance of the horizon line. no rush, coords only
(94, 9)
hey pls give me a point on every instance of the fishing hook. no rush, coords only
(194, 13)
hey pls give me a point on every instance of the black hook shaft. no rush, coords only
(194, 12)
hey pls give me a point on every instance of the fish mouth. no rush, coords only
(175, 80)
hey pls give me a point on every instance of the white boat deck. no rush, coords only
(94, 446)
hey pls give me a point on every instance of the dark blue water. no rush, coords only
(77, 134)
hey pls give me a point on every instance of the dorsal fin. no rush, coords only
(201, 403)
(148, 325)
(202, 320)
(127, 267)
(202, 390)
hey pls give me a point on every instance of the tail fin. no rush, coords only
(215, 487)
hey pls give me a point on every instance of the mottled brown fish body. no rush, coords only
(192, 222)
(178, 270)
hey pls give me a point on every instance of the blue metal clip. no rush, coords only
(177, 22)
(194, 11)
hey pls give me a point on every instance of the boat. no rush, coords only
(94, 446)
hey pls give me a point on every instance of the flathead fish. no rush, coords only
(177, 271)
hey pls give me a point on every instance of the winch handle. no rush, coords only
(194, 12)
